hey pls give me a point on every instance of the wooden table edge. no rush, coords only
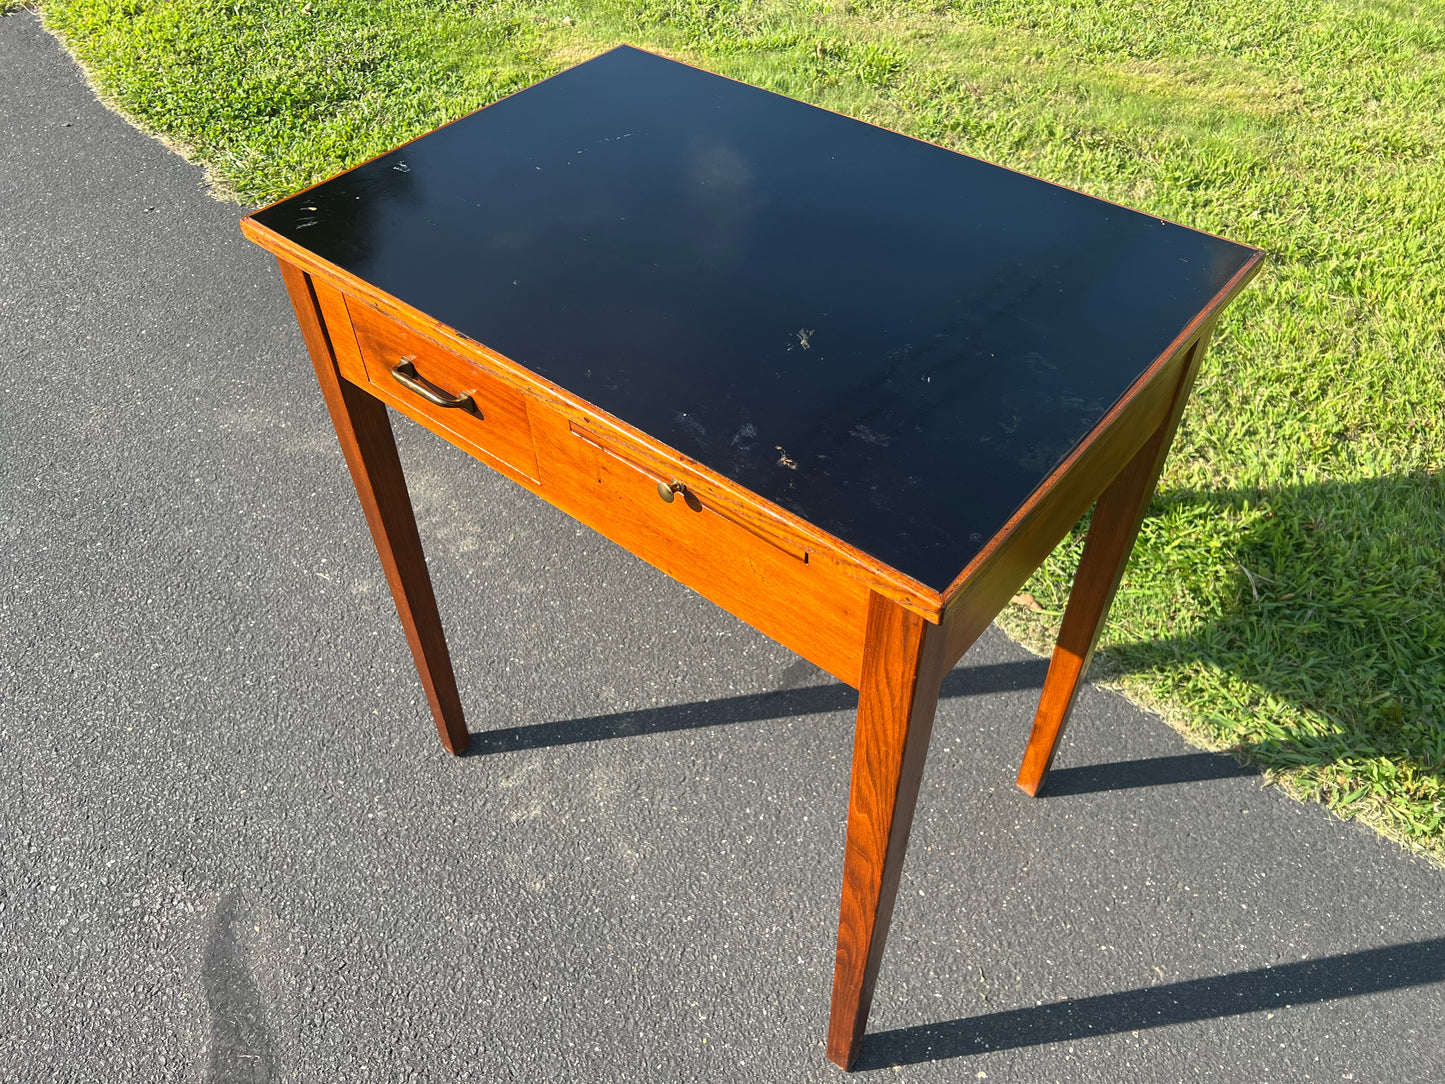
(876, 575)
(1177, 346)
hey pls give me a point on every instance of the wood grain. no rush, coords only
(798, 597)
(753, 566)
(337, 320)
(499, 427)
(666, 473)
(364, 431)
(903, 668)
(1117, 519)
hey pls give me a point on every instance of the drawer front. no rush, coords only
(493, 420)
(798, 597)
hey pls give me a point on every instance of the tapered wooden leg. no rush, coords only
(366, 439)
(903, 669)
(1117, 517)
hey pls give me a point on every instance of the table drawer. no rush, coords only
(412, 373)
(774, 582)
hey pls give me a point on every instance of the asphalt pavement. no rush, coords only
(232, 849)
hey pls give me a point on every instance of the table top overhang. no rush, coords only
(895, 342)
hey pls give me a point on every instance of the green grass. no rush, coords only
(1287, 597)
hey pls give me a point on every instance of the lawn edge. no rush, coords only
(212, 181)
(1032, 633)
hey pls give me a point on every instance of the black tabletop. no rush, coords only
(892, 340)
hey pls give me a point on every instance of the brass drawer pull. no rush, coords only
(404, 373)
(668, 490)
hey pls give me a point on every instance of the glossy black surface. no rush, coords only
(892, 340)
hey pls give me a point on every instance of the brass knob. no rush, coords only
(668, 490)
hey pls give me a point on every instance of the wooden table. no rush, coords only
(850, 386)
